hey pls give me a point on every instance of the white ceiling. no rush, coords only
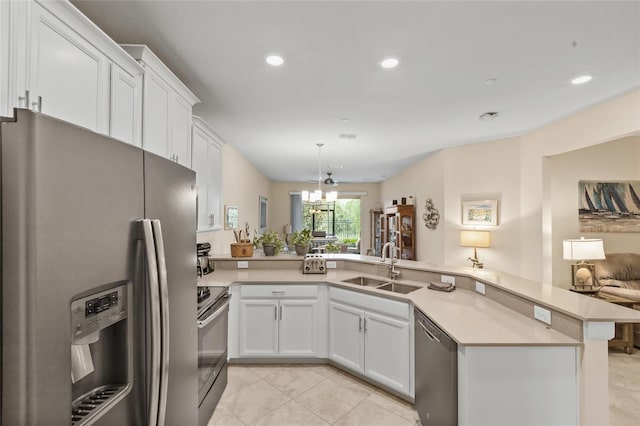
(275, 116)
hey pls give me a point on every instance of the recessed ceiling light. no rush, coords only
(274, 60)
(349, 136)
(390, 62)
(582, 79)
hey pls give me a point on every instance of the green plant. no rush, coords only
(332, 247)
(269, 237)
(302, 238)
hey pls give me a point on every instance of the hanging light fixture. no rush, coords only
(316, 196)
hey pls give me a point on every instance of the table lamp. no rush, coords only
(582, 273)
(475, 239)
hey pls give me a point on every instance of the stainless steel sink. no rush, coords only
(398, 288)
(365, 281)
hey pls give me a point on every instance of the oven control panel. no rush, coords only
(97, 311)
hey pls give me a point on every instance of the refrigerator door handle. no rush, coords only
(164, 317)
(154, 313)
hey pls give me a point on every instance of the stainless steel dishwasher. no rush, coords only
(436, 360)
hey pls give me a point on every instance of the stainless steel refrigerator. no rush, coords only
(98, 280)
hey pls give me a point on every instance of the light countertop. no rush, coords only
(469, 318)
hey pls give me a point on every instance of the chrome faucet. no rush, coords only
(393, 274)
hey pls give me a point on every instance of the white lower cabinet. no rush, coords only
(285, 323)
(387, 343)
(258, 327)
(376, 344)
(365, 334)
(346, 343)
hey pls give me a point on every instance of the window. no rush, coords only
(340, 218)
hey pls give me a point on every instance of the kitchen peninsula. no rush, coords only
(510, 365)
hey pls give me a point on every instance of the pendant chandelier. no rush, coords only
(316, 196)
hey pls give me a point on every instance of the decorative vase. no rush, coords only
(269, 249)
(302, 249)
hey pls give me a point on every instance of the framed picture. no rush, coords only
(480, 212)
(230, 217)
(609, 206)
(262, 214)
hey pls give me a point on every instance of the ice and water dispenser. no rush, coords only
(101, 361)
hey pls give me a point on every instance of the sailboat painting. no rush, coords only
(609, 206)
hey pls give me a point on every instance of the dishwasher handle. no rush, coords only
(433, 332)
(427, 332)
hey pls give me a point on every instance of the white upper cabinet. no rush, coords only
(167, 108)
(14, 30)
(69, 78)
(126, 106)
(54, 60)
(207, 163)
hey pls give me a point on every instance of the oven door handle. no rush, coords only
(212, 317)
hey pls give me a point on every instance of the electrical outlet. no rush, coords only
(479, 287)
(243, 264)
(331, 265)
(542, 314)
(448, 279)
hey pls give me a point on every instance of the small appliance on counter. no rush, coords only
(314, 264)
(203, 265)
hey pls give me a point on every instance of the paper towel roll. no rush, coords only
(81, 362)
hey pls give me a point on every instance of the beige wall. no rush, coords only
(610, 161)
(485, 171)
(517, 171)
(280, 204)
(520, 172)
(612, 120)
(423, 180)
(242, 185)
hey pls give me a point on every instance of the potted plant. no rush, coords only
(270, 241)
(333, 247)
(301, 241)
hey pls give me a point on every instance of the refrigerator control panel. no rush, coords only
(97, 311)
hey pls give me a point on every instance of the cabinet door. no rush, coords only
(298, 327)
(214, 189)
(68, 75)
(200, 165)
(388, 351)
(126, 106)
(207, 163)
(258, 327)
(14, 26)
(157, 102)
(181, 131)
(346, 342)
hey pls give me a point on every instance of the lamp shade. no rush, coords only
(583, 249)
(475, 238)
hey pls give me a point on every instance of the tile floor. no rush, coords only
(305, 395)
(323, 395)
(624, 388)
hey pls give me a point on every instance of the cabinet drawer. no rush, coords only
(370, 303)
(279, 291)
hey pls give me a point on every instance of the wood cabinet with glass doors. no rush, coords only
(398, 226)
